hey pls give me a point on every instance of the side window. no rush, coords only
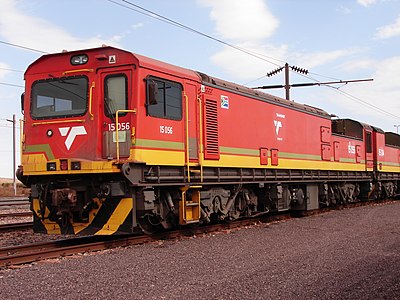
(164, 98)
(115, 94)
(369, 142)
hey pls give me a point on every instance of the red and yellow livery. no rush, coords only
(115, 141)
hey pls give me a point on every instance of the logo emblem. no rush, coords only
(278, 125)
(71, 133)
(224, 102)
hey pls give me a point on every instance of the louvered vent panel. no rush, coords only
(211, 130)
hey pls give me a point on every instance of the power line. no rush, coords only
(305, 73)
(10, 84)
(350, 96)
(159, 17)
(152, 14)
(356, 99)
(23, 47)
(12, 70)
(164, 19)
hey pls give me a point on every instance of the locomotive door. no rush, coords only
(116, 91)
(192, 142)
(369, 151)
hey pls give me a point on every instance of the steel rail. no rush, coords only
(16, 226)
(17, 214)
(29, 253)
(23, 254)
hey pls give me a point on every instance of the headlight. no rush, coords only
(79, 59)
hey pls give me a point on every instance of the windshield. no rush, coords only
(62, 97)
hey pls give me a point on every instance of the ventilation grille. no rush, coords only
(211, 132)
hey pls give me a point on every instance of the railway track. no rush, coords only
(13, 201)
(15, 226)
(29, 253)
(16, 214)
(23, 254)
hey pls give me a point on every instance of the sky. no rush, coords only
(333, 40)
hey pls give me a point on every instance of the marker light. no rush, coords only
(79, 59)
(51, 166)
(75, 165)
(63, 164)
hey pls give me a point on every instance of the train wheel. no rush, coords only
(150, 224)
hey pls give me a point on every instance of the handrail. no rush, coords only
(92, 86)
(21, 138)
(58, 121)
(116, 125)
(77, 71)
(184, 190)
(187, 134)
(200, 137)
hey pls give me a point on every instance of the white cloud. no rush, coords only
(343, 9)
(4, 70)
(360, 64)
(389, 31)
(137, 25)
(319, 58)
(366, 3)
(30, 31)
(237, 21)
(244, 66)
(242, 21)
(246, 24)
(382, 92)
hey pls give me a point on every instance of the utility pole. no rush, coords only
(287, 85)
(14, 160)
(397, 128)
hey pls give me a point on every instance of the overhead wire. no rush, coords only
(356, 99)
(348, 95)
(10, 84)
(12, 70)
(154, 15)
(23, 47)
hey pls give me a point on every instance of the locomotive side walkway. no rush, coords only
(348, 254)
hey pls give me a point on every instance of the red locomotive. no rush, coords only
(115, 141)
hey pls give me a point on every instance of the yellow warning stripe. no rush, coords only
(51, 227)
(117, 218)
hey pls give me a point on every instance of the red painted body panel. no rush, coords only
(385, 155)
(246, 121)
(346, 150)
(252, 124)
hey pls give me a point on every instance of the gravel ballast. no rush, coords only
(348, 254)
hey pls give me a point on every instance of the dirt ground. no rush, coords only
(7, 188)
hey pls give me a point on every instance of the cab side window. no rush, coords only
(164, 98)
(369, 142)
(116, 95)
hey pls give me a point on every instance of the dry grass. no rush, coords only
(7, 188)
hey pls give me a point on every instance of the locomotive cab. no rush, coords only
(72, 143)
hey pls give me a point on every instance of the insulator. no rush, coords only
(274, 72)
(299, 70)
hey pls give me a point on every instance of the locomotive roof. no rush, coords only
(53, 62)
(240, 89)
